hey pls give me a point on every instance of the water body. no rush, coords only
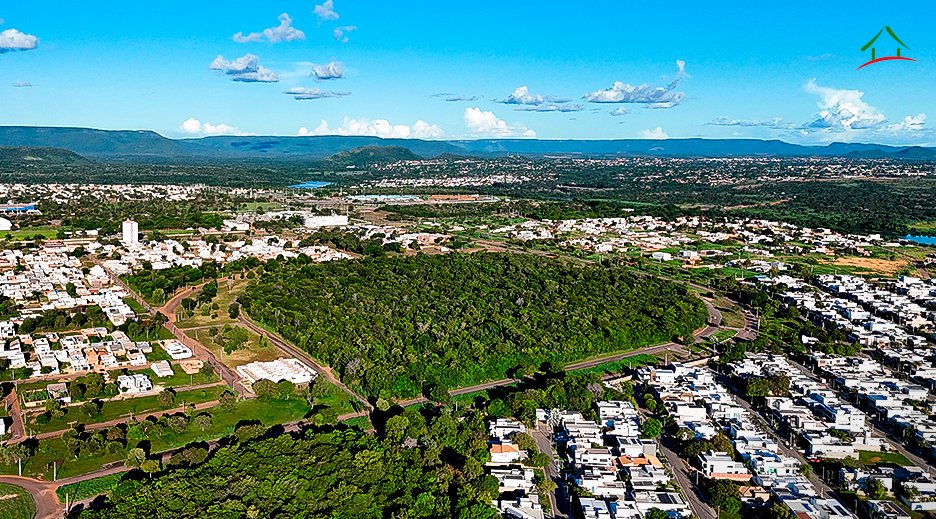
(311, 184)
(925, 240)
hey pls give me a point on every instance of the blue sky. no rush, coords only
(458, 70)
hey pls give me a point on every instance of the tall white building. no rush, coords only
(131, 232)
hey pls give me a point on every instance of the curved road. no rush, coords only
(43, 493)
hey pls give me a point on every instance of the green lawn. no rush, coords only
(87, 488)
(125, 408)
(16, 503)
(27, 233)
(51, 450)
(875, 458)
(135, 306)
(180, 378)
(227, 294)
(619, 366)
(253, 351)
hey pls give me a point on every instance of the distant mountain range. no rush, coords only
(148, 146)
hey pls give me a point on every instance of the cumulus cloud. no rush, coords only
(522, 96)
(283, 32)
(22, 84)
(246, 69)
(909, 123)
(330, 70)
(12, 40)
(650, 96)
(619, 111)
(302, 93)
(376, 128)
(774, 123)
(326, 11)
(656, 133)
(341, 33)
(842, 110)
(486, 123)
(452, 97)
(193, 126)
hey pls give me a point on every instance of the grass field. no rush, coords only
(88, 488)
(180, 378)
(269, 413)
(27, 233)
(251, 352)
(227, 293)
(876, 458)
(16, 503)
(619, 366)
(135, 306)
(117, 409)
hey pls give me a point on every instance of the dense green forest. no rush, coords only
(399, 326)
(428, 467)
(156, 286)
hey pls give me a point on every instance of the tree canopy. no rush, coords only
(398, 325)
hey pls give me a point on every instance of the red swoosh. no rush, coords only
(885, 58)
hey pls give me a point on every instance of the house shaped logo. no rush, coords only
(871, 45)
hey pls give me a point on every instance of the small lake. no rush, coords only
(925, 240)
(311, 184)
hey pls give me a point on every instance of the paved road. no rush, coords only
(669, 347)
(168, 310)
(541, 436)
(693, 495)
(785, 448)
(303, 357)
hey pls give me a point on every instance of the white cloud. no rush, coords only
(326, 11)
(522, 96)
(246, 69)
(650, 96)
(656, 133)
(330, 70)
(341, 33)
(283, 32)
(486, 123)
(13, 40)
(193, 126)
(376, 128)
(842, 110)
(909, 123)
(302, 93)
(620, 111)
(528, 102)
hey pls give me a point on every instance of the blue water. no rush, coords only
(311, 184)
(925, 240)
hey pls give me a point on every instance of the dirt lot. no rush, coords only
(876, 265)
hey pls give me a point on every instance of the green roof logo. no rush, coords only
(871, 45)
